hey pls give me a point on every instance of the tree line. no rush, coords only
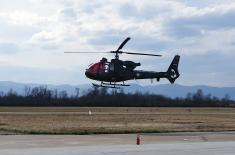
(102, 97)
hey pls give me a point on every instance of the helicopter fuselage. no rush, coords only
(114, 71)
(119, 71)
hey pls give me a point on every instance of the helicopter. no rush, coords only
(110, 74)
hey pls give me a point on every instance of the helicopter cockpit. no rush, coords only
(97, 68)
(104, 66)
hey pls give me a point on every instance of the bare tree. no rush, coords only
(27, 91)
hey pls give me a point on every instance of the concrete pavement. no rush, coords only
(207, 143)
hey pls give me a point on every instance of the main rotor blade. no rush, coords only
(86, 52)
(123, 43)
(142, 54)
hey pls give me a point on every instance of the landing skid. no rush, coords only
(110, 85)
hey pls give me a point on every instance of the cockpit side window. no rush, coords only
(106, 68)
(111, 67)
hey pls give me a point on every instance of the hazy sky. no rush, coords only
(35, 33)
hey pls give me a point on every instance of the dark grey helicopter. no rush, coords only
(109, 73)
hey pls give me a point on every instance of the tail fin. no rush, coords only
(172, 71)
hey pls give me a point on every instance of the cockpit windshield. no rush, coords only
(95, 68)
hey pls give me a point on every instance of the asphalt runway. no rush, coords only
(206, 143)
(206, 148)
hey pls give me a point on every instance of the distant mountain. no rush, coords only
(177, 90)
(5, 86)
(169, 90)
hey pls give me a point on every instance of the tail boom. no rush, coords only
(171, 74)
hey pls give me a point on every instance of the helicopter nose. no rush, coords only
(87, 73)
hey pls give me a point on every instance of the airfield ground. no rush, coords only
(76, 120)
(180, 143)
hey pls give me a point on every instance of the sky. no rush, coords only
(34, 34)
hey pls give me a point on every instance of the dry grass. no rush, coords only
(73, 120)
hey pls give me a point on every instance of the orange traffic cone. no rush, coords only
(138, 140)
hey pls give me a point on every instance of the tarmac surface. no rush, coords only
(206, 143)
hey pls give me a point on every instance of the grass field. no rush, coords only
(74, 120)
